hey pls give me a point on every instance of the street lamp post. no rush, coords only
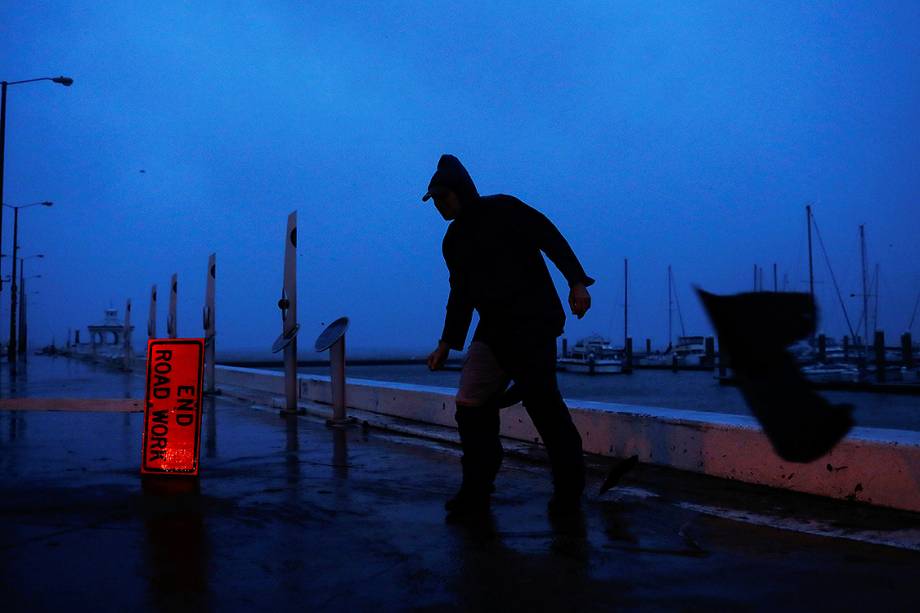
(23, 329)
(11, 347)
(22, 316)
(62, 80)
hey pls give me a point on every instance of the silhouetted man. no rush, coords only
(493, 252)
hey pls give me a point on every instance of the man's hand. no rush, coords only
(579, 300)
(438, 356)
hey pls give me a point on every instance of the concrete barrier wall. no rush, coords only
(269, 381)
(880, 467)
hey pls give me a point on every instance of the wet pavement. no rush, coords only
(291, 515)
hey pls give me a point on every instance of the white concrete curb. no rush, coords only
(880, 467)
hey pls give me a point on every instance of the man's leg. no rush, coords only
(478, 424)
(482, 449)
(532, 366)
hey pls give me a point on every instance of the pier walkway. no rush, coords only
(291, 515)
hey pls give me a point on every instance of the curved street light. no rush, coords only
(60, 80)
(25, 206)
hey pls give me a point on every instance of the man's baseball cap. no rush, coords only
(450, 176)
(436, 188)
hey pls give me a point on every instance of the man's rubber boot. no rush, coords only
(564, 503)
(468, 502)
(482, 458)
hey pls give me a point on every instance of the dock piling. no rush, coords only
(907, 354)
(880, 355)
(628, 363)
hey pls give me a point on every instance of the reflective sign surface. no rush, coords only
(172, 416)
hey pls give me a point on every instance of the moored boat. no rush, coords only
(594, 356)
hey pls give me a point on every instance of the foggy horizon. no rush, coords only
(668, 134)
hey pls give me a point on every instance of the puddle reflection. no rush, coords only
(177, 545)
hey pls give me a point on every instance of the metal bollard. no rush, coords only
(333, 339)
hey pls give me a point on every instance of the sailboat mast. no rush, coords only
(625, 300)
(865, 292)
(811, 271)
(875, 300)
(670, 307)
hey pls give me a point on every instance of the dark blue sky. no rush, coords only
(690, 134)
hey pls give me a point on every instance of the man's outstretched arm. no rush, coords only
(557, 249)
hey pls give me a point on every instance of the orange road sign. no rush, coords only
(172, 415)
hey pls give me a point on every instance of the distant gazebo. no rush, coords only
(110, 332)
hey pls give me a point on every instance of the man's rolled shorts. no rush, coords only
(481, 379)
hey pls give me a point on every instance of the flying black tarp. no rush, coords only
(755, 330)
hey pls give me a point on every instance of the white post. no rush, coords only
(289, 313)
(128, 352)
(210, 327)
(152, 314)
(171, 324)
(337, 368)
(333, 339)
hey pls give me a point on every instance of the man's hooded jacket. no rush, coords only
(493, 252)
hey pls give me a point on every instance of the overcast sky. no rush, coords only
(690, 134)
